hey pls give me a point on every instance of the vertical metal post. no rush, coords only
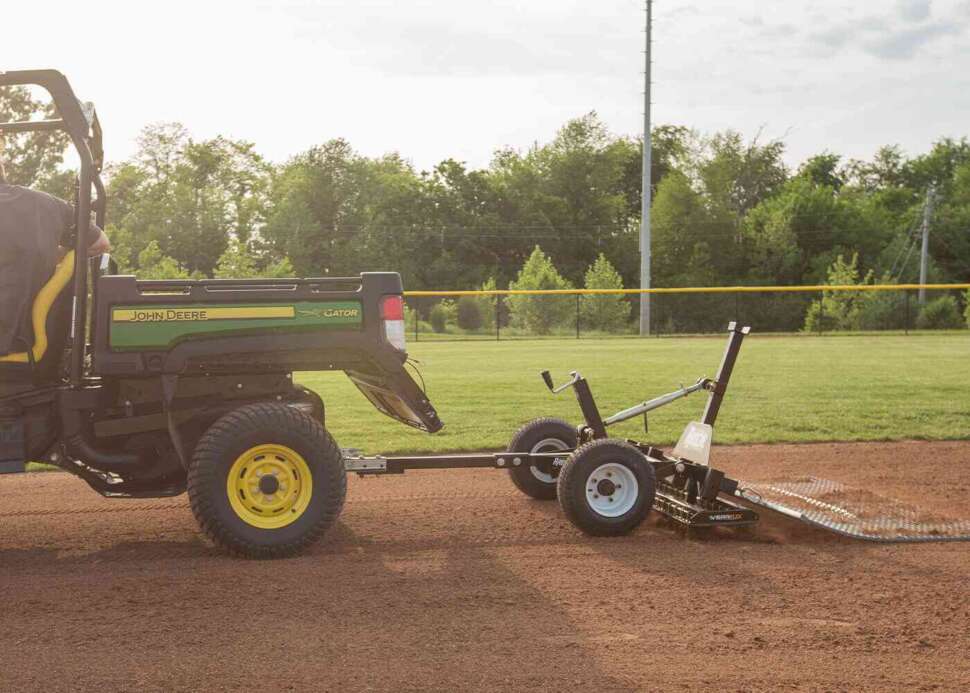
(79, 312)
(645, 183)
(577, 316)
(498, 312)
(723, 377)
(906, 324)
(924, 259)
(591, 413)
(821, 313)
(415, 324)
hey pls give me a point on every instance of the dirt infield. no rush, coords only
(452, 580)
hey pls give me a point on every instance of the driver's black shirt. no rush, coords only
(32, 225)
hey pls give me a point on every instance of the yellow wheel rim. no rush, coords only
(269, 486)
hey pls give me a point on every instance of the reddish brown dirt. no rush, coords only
(451, 581)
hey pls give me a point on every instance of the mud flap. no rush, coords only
(398, 396)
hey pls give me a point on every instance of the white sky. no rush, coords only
(438, 78)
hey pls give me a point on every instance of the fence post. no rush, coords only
(906, 323)
(577, 316)
(821, 313)
(416, 321)
(498, 313)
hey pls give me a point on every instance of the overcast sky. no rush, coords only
(457, 78)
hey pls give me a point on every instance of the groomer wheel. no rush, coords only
(607, 487)
(542, 435)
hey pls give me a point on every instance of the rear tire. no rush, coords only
(607, 488)
(540, 435)
(266, 481)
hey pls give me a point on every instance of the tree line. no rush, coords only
(727, 210)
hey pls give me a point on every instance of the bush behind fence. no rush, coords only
(530, 316)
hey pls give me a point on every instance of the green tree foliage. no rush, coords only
(605, 312)
(236, 262)
(33, 159)
(839, 310)
(794, 236)
(726, 211)
(469, 314)
(950, 237)
(941, 313)
(883, 310)
(153, 264)
(738, 175)
(189, 196)
(822, 170)
(539, 314)
(670, 151)
(239, 261)
(691, 246)
(856, 310)
(442, 315)
(488, 304)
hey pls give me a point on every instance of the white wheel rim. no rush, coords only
(612, 490)
(546, 445)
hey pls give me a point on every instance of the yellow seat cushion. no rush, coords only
(42, 308)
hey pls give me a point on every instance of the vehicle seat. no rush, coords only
(50, 318)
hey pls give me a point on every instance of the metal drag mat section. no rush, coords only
(854, 512)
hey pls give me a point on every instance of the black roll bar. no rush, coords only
(86, 137)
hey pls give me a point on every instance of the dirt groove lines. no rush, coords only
(93, 511)
(124, 506)
(430, 497)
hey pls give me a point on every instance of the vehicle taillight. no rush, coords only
(392, 316)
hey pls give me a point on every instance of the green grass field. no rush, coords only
(784, 389)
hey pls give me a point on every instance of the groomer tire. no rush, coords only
(607, 487)
(541, 435)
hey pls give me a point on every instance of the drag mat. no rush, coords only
(854, 512)
(453, 581)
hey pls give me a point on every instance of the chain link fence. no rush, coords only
(694, 312)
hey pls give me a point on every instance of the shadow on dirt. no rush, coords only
(457, 599)
(14, 560)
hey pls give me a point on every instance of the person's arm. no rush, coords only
(101, 243)
(98, 242)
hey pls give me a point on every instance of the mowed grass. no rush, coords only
(784, 389)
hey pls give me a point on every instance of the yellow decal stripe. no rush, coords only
(190, 314)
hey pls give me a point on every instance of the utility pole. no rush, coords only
(924, 259)
(646, 191)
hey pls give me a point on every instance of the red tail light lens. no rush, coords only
(392, 317)
(392, 308)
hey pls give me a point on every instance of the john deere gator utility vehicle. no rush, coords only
(151, 388)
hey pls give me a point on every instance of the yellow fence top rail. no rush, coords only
(693, 290)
